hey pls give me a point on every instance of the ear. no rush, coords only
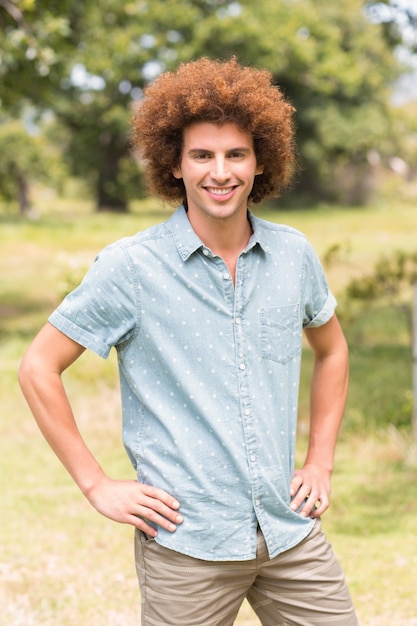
(259, 170)
(176, 172)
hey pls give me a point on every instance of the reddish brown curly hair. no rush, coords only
(217, 92)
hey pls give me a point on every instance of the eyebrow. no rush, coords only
(245, 149)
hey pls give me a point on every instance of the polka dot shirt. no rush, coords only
(209, 373)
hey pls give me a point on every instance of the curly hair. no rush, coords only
(217, 92)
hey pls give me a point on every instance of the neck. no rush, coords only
(225, 238)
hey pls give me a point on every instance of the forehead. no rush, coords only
(209, 136)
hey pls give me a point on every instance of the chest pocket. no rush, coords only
(281, 333)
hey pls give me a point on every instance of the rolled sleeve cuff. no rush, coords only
(80, 335)
(325, 314)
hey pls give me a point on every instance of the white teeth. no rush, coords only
(220, 192)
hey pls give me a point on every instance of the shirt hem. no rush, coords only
(242, 557)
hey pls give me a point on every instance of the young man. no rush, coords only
(206, 312)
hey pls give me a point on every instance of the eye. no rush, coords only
(202, 156)
(236, 154)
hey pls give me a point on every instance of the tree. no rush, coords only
(23, 159)
(35, 37)
(102, 58)
(334, 64)
(112, 66)
(399, 20)
(337, 68)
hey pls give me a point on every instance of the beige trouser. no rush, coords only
(303, 586)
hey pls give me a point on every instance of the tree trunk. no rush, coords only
(111, 196)
(107, 202)
(23, 193)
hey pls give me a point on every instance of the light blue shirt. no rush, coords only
(209, 374)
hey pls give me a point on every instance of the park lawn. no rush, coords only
(60, 562)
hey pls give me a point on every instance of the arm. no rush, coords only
(328, 394)
(126, 501)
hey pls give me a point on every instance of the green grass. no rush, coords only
(60, 562)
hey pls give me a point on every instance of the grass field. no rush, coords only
(61, 563)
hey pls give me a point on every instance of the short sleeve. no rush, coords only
(319, 302)
(103, 311)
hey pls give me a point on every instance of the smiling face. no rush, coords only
(218, 167)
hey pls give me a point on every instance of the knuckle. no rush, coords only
(151, 515)
(150, 490)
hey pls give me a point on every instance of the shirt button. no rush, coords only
(226, 275)
(242, 366)
(247, 411)
(205, 252)
(257, 502)
(253, 458)
(237, 320)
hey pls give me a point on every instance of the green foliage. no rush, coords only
(380, 395)
(92, 59)
(335, 65)
(105, 56)
(375, 370)
(34, 38)
(399, 20)
(403, 136)
(389, 279)
(24, 158)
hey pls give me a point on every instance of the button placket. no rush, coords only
(247, 414)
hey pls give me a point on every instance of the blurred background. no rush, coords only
(70, 69)
(69, 72)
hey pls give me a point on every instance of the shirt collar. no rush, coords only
(188, 242)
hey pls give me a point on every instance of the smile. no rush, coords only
(219, 191)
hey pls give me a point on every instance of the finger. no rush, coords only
(295, 484)
(160, 515)
(149, 520)
(314, 507)
(302, 494)
(304, 501)
(320, 507)
(142, 525)
(308, 508)
(160, 495)
(158, 507)
(151, 507)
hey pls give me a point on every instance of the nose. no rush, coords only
(220, 171)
